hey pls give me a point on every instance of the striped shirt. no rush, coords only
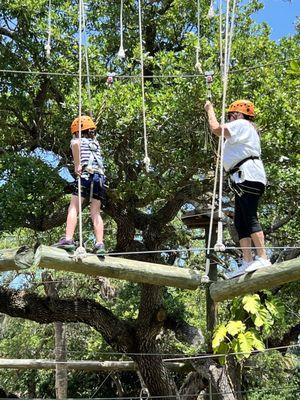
(85, 151)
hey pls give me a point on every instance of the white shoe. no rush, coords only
(259, 263)
(240, 271)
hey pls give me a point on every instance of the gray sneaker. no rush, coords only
(65, 244)
(99, 249)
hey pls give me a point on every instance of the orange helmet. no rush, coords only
(86, 122)
(242, 106)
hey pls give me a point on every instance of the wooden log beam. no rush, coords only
(266, 278)
(83, 365)
(118, 268)
(16, 259)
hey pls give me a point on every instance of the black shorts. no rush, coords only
(92, 186)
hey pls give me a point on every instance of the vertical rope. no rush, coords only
(219, 245)
(121, 52)
(146, 157)
(48, 44)
(80, 251)
(88, 82)
(220, 37)
(198, 66)
(205, 278)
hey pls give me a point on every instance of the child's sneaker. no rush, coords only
(258, 264)
(99, 249)
(240, 271)
(65, 244)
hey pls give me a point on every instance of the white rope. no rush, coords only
(146, 157)
(88, 83)
(205, 278)
(198, 65)
(48, 44)
(219, 246)
(220, 37)
(80, 251)
(211, 12)
(121, 52)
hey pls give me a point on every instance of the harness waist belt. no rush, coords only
(93, 170)
(236, 167)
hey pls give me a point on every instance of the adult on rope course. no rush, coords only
(88, 166)
(247, 178)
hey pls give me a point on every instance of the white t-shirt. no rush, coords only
(243, 142)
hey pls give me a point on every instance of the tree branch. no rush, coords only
(46, 310)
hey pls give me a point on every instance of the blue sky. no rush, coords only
(280, 15)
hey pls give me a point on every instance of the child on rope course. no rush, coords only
(88, 165)
(247, 178)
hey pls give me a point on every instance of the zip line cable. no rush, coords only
(146, 157)
(138, 77)
(180, 358)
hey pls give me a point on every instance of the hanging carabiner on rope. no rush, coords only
(48, 44)
(209, 77)
(146, 159)
(121, 52)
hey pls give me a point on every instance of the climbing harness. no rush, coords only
(146, 159)
(48, 44)
(236, 167)
(121, 52)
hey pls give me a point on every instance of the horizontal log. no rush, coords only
(266, 278)
(16, 259)
(25, 364)
(118, 268)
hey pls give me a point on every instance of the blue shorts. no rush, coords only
(92, 186)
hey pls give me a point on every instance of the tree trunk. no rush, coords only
(61, 372)
(219, 378)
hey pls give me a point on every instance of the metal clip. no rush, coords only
(209, 80)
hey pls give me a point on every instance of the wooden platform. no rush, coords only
(111, 267)
(84, 365)
(143, 272)
(266, 278)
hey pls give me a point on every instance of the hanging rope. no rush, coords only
(211, 11)
(219, 246)
(198, 65)
(205, 278)
(121, 52)
(80, 251)
(48, 44)
(220, 37)
(146, 157)
(88, 83)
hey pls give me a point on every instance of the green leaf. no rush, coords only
(251, 303)
(219, 336)
(234, 327)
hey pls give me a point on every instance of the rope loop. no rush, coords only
(144, 394)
